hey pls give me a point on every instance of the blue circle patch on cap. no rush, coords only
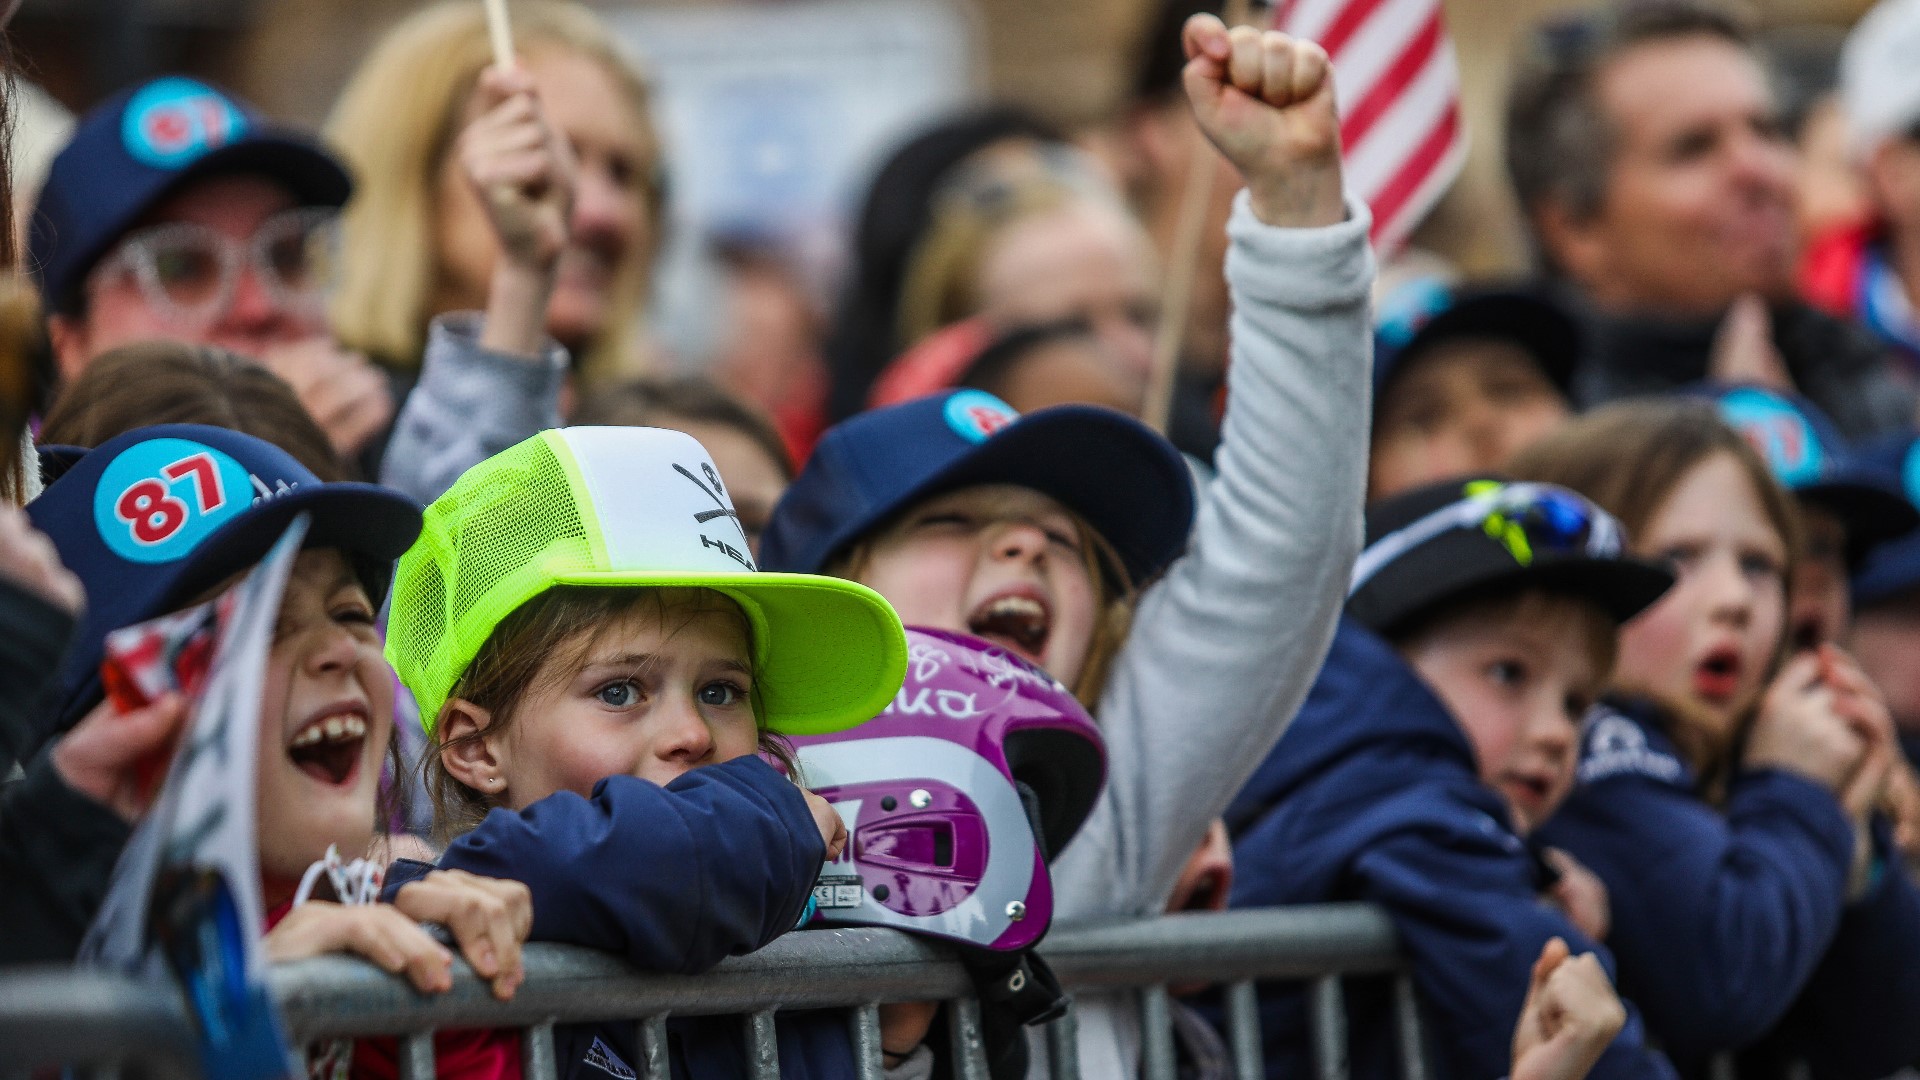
(158, 500)
(173, 121)
(975, 415)
(1778, 432)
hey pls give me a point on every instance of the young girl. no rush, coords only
(1035, 532)
(599, 662)
(151, 521)
(1727, 799)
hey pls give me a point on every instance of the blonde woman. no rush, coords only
(418, 242)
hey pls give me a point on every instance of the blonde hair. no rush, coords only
(545, 641)
(395, 124)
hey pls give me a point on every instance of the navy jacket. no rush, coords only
(674, 879)
(1724, 918)
(1373, 795)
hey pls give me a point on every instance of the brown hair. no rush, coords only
(652, 402)
(172, 382)
(1628, 458)
(1113, 596)
(540, 643)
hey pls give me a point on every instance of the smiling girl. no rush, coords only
(1725, 798)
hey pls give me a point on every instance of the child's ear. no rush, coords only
(468, 751)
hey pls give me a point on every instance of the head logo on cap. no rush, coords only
(159, 499)
(171, 122)
(1778, 432)
(975, 415)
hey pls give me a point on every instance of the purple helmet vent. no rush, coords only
(942, 792)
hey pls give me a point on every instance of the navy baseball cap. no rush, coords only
(1809, 457)
(1130, 484)
(145, 143)
(1892, 568)
(1457, 540)
(1427, 311)
(153, 518)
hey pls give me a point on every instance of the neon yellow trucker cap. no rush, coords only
(630, 506)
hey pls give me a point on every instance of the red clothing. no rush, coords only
(469, 1054)
(1832, 265)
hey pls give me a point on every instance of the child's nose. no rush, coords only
(683, 736)
(333, 649)
(1018, 540)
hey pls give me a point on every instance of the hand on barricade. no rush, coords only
(379, 932)
(1570, 1016)
(489, 918)
(1265, 100)
(1581, 895)
(833, 831)
(1801, 729)
(345, 394)
(118, 759)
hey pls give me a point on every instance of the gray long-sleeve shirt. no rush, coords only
(1226, 645)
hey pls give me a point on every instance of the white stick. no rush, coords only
(501, 32)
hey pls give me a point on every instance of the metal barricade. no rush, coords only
(80, 1018)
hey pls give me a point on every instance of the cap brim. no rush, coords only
(1623, 588)
(1872, 515)
(830, 654)
(1131, 485)
(1548, 335)
(374, 523)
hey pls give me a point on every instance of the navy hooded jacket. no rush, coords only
(1724, 918)
(1373, 795)
(718, 863)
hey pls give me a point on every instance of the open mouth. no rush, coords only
(328, 748)
(1717, 677)
(1808, 634)
(1020, 621)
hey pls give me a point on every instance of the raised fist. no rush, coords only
(1265, 100)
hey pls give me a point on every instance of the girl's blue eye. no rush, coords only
(618, 695)
(1506, 672)
(721, 694)
(1760, 566)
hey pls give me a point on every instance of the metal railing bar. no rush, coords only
(652, 1042)
(1409, 1029)
(1720, 1067)
(763, 1046)
(1273, 943)
(1328, 1016)
(536, 1052)
(343, 996)
(969, 1048)
(69, 1016)
(863, 1024)
(1156, 1034)
(1243, 1030)
(1063, 1046)
(416, 1056)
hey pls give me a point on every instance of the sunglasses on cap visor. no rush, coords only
(1523, 518)
(190, 272)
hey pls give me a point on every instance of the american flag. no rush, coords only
(1399, 90)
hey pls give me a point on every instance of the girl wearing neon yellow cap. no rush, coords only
(598, 661)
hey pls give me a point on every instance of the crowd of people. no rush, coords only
(1573, 620)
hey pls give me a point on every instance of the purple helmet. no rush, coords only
(956, 796)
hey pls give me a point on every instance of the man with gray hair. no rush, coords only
(1644, 143)
(1870, 270)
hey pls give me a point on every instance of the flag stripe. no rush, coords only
(1343, 26)
(1386, 90)
(1394, 197)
